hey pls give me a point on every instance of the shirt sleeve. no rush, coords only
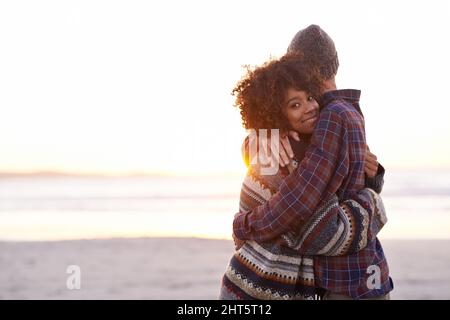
(302, 190)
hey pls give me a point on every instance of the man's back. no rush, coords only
(349, 275)
(349, 172)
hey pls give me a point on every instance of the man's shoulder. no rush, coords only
(339, 107)
(341, 110)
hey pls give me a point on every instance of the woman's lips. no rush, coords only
(312, 119)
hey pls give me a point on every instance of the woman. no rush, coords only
(280, 94)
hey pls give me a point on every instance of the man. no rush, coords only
(334, 164)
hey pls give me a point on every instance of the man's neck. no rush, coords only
(329, 85)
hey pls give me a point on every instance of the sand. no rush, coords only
(180, 268)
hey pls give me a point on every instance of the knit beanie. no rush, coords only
(317, 48)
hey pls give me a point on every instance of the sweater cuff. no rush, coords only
(376, 183)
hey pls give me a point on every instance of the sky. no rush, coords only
(124, 87)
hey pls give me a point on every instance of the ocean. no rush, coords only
(42, 208)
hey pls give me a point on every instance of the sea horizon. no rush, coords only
(43, 207)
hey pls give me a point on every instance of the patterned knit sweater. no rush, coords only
(283, 268)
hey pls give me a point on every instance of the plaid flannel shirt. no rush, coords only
(333, 164)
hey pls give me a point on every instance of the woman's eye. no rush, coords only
(296, 105)
(310, 98)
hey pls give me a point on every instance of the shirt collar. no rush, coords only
(350, 95)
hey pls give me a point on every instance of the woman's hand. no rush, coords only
(371, 165)
(285, 150)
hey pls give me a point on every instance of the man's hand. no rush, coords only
(371, 165)
(238, 243)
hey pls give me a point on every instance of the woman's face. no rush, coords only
(301, 111)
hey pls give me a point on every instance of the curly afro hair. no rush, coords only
(260, 94)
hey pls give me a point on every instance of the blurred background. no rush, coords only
(117, 122)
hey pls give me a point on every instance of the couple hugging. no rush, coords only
(307, 230)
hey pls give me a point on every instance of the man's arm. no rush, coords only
(334, 229)
(302, 190)
(344, 229)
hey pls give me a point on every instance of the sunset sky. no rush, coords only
(119, 87)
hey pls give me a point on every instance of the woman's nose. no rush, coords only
(313, 106)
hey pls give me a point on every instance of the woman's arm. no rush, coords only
(340, 228)
(344, 228)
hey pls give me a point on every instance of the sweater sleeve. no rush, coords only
(340, 228)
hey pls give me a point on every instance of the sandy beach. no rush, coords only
(180, 268)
